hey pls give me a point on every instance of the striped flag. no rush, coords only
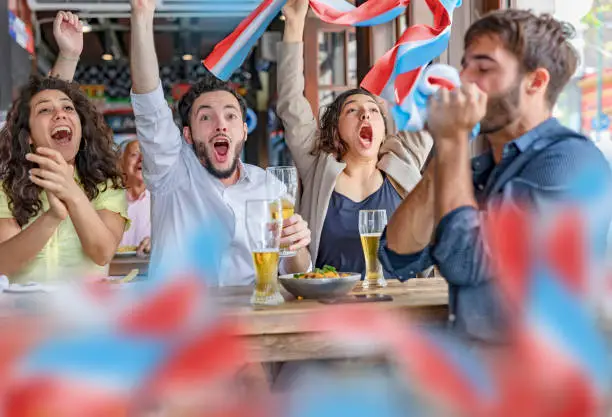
(411, 115)
(545, 272)
(158, 347)
(394, 77)
(231, 52)
(143, 341)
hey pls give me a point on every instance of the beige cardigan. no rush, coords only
(401, 156)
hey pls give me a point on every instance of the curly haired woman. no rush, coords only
(62, 206)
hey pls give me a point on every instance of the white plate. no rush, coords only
(29, 288)
(116, 283)
(319, 287)
(125, 254)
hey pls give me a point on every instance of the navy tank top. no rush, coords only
(340, 242)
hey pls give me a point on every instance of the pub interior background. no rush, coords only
(336, 58)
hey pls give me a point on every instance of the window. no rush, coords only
(333, 69)
(332, 59)
(585, 104)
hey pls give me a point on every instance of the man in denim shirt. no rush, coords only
(514, 68)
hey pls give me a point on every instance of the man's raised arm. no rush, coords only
(143, 59)
(159, 137)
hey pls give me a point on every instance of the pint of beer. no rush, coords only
(282, 182)
(371, 226)
(266, 274)
(264, 222)
(287, 209)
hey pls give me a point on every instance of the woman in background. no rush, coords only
(138, 197)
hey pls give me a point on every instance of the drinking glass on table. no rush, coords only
(283, 183)
(371, 225)
(264, 223)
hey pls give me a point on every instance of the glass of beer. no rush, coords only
(371, 225)
(283, 184)
(264, 222)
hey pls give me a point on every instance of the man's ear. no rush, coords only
(246, 131)
(537, 81)
(187, 135)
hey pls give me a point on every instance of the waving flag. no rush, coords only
(544, 273)
(231, 52)
(394, 77)
(442, 368)
(412, 114)
(123, 345)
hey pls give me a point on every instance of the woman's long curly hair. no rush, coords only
(95, 161)
(329, 140)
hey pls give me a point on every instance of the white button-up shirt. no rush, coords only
(184, 194)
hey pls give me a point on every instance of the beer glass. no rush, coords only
(264, 223)
(371, 225)
(282, 182)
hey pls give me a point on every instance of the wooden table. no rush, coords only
(279, 333)
(282, 333)
(122, 265)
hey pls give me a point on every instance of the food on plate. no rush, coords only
(124, 249)
(325, 272)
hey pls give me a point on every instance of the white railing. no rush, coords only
(121, 7)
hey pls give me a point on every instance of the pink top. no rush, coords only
(139, 212)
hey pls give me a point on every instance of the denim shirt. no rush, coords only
(541, 168)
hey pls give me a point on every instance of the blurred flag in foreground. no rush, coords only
(163, 349)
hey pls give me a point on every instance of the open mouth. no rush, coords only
(62, 135)
(365, 135)
(221, 146)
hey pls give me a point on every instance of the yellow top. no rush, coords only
(63, 257)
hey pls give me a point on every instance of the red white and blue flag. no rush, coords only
(229, 54)
(394, 77)
(162, 345)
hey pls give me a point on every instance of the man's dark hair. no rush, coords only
(208, 84)
(536, 41)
